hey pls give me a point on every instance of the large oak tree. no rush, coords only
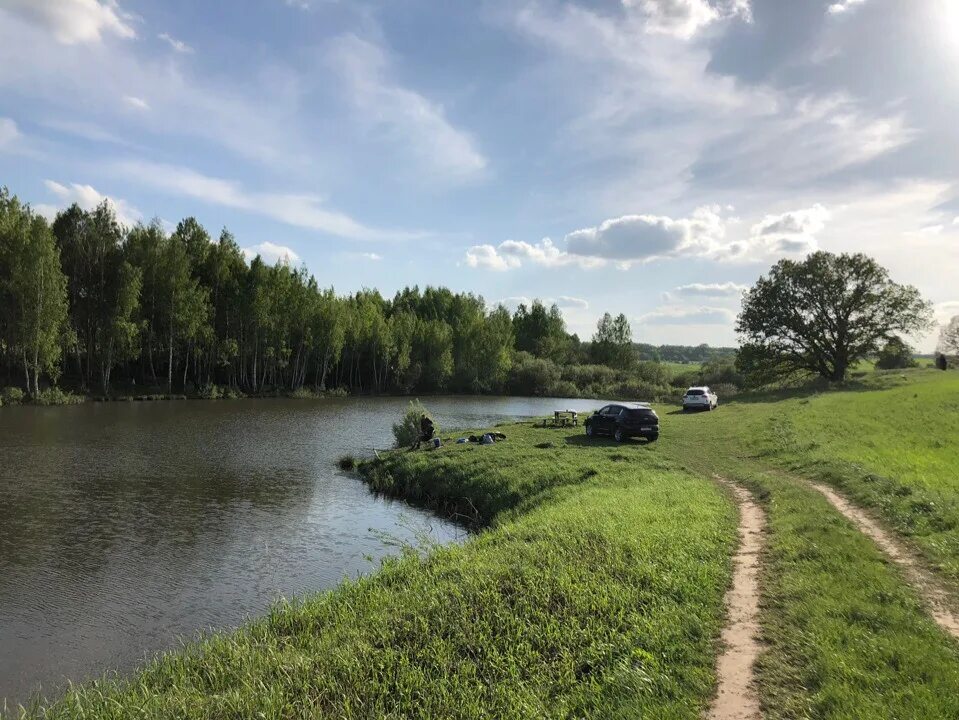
(824, 314)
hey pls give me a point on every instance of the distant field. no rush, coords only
(676, 368)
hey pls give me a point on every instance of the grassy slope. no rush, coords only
(597, 592)
(893, 446)
(847, 638)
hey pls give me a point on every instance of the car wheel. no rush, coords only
(618, 435)
(653, 438)
(589, 430)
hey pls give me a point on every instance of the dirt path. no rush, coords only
(736, 697)
(928, 587)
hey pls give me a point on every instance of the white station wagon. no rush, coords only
(700, 398)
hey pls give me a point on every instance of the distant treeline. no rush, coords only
(92, 305)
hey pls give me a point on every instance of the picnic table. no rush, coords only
(562, 418)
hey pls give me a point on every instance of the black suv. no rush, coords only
(624, 420)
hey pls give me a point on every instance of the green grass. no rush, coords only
(595, 591)
(846, 636)
(891, 445)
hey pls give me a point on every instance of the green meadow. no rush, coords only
(593, 585)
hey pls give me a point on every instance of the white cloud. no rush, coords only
(486, 257)
(178, 45)
(565, 301)
(726, 289)
(792, 233)
(300, 210)
(683, 315)
(87, 197)
(374, 257)
(633, 238)
(406, 117)
(844, 6)
(271, 254)
(946, 311)
(74, 21)
(9, 133)
(136, 103)
(256, 116)
(686, 18)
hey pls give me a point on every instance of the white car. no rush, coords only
(700, 398)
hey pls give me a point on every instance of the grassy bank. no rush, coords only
(595, 591)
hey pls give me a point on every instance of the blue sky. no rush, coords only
(651, 157)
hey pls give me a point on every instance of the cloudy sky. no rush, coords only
(651, 157)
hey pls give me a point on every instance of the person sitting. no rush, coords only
(426, 432)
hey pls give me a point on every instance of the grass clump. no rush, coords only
(347, 463)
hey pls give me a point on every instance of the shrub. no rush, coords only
(533, 376)
(725, 390)
(56, 396)
(347, 463)
(211, 391)
(896, 355)
(11, 395)
(407, 430)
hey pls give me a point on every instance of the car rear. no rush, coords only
(696, 398)
(640, 422)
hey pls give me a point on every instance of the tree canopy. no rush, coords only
(824, 314)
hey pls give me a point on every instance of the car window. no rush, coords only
(695, 391)
(604, 411)
(613, 410)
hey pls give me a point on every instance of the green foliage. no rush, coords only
(541, 332)
(407, 430)
(823, 315)
(33, 293)
(57, 396)
(896, 355)
(12, 395)
(612, 344)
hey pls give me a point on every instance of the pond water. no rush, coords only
(125, 527)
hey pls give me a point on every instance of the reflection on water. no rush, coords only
(124, 526)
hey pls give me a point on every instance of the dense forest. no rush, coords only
(90, 305)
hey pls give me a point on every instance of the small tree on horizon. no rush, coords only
(949, 341)
(822, 315)
(896, 355)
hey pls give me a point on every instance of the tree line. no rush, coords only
(88, 302)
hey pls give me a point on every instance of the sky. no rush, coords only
(650, 157)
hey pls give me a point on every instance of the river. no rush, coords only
(126, 527)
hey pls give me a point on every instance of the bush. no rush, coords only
(11, 395)
(725, 390)
(896, 355)
(211, 391)
(407, 430)
(56, 396)
(533, 376)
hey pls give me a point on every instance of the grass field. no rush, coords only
(845, 635)
(594, 587)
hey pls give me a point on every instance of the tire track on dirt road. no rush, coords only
(736, 696)
(938, 600)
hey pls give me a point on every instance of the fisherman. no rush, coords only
(426, 432)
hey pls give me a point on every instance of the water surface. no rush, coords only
(125, 526)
